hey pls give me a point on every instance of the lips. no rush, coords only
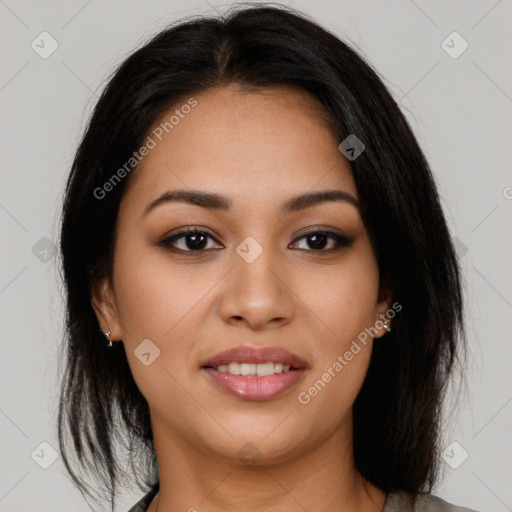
(253, 387)
(256, 356)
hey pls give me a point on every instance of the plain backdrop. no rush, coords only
(459, 106)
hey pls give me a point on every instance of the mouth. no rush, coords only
(255, 374)
(253, 369)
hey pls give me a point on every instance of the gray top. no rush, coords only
(397, 501)
(400, 501)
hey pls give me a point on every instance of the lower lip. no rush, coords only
(253, 387)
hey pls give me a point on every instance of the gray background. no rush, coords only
(460, 109)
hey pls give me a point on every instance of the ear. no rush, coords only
(383, 305)
(103, 303)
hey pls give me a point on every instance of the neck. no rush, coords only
(321, 479)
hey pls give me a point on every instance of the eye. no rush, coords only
(195, 240)
(188, 240)
(318, 240)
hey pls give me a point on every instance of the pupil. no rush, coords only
(198, 241)
(318, 241)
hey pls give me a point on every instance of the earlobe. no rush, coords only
(103, 304)
(383, 325)
(383, 320)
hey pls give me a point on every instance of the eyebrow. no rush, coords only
(219, 202)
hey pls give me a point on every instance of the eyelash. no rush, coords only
(342, 241)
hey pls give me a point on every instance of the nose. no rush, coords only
(257, 294)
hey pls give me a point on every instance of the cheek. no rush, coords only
(160, 302)
(342, 305)
(154, 295)
(343, 349)
(344, 298)
(165, 303)
(330, 394)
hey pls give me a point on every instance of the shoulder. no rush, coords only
(143, 504)
(429, 502)
(401, 501)
(397, 501)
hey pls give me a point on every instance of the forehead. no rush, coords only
(252, 145)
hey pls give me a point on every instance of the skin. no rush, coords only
(259, 148)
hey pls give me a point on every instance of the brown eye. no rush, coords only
(189, 240)
(319, 240)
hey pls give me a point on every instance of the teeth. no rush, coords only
(234, 368)
(261, 370)
(248, 369)
(265, 369)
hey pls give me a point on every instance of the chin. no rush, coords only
(261, 439)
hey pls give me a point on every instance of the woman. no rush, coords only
(256, 233)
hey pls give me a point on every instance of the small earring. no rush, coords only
(387, 325)
(107, 335)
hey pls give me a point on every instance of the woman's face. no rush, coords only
(295, 277)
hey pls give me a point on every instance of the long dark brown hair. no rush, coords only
(103, 417)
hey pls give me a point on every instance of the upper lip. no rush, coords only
(248, 354)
